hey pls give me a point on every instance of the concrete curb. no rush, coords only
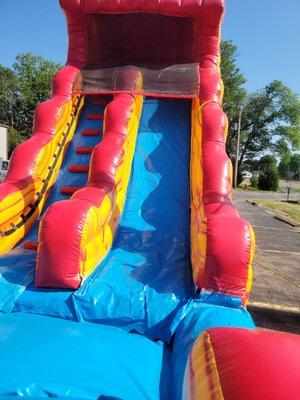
(274, 307)
(270, 316)
(287, 220)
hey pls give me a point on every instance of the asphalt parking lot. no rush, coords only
(276, 280)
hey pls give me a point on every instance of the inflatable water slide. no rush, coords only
(125, 269)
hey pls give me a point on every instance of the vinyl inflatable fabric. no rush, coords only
(196, 317)
(92, 214)
(212, 211)
(219, 356)
(177, 162)
(115, 41)
(221, 263)
(78, 361)
(35, 163)
(17, 266)
(147, 276)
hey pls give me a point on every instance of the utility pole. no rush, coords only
(289, 185)
(237, 154)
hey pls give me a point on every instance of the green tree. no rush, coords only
(268, 178)
(233, 79)
(252, 165)
(283, 166)
(22, 88)
(9, 97)
(294, 166)
(271, 121)
(234, 90)
(267, 161)
(271, 116)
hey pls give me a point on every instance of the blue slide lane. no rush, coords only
(147, 274)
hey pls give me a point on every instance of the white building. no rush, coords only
(247, 175)
(3, 142)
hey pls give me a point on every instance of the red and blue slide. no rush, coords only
(125, 269)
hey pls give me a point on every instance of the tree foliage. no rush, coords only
(233, 80)
(271, 121)
(270, 117)
(9, 98)
(289, 166)
(22, 88)
(268, 178)
(267, 161)
(295, 165)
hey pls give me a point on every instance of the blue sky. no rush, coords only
(267, 33)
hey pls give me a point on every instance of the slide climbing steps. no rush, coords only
(75, 169)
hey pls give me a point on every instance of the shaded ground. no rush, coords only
(241, 194)
(276, 283)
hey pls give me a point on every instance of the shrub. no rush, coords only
(268, 180)
(254, 182)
